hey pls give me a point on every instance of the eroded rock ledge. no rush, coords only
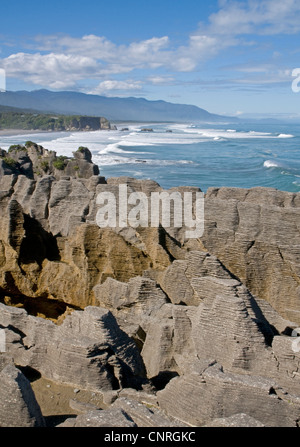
(151, 328)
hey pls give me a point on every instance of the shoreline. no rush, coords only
(12, 132)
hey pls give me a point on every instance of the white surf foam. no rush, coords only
(227, 134)
(110, 160)
(271, 164)
(115, 148)
(285, 135)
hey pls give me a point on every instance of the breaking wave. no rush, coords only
(271, 164)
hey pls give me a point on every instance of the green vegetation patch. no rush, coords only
(47, 122)
(29, 144)
(16, 147)
(60, 162)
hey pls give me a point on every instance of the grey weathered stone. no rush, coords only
(231, 330)
(33, 161)
(210, 393)
(87, 350)
(234, 299)
(188, 281)
(143, 397)
(237, 420)
(19, 407)
(227, 326)
(133, 304)
(168, 340)
(69, 200)
(81, 407)
(100, 418)
(287, 353)
(145, 415)
(254, 232)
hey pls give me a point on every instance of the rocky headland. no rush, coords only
(17, 119)
(141, 327)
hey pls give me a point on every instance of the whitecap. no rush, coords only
(285, 135)
(103, 159)
(114, 147)
(271, 164)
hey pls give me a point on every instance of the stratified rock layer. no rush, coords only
(209, 393)
(170, 331)
(19, 407)
(255, 233)
(87, 350)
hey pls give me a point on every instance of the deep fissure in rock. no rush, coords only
(39, 307)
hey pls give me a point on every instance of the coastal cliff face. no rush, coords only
(164, 330)
(47, 122)
(255, 233)
(33, 162)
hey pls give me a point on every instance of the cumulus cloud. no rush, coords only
(256, 16)
(114, 86)
(97, 47)
(135, 55)
(54, 70)
(61, 61)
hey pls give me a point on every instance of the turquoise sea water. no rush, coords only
(239, 155)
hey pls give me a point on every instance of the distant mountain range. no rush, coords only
(114, 109)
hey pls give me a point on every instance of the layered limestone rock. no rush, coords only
(124, 413)
(237, 420)
(225, 321)
(99, 418)
(207, 393)
(255, 234)
(189, 281)
(228, 326)
(171, 330)
(231, 330)
(19, 407)
(33, 161)
(87, 350)
(52, 248)
(168, 346)
(134, 304)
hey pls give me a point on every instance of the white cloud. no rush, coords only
(96, 47)
(256, 16)
(137, 54)
(53, 70)
(61, 61)
(272, 77)
(153, 53)
(263, 74)
(160, 80)
(108, 86)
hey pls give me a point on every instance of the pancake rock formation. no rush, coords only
(141, 326)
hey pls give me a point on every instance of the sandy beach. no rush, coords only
(11, 132)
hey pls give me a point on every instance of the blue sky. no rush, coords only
(230, 57)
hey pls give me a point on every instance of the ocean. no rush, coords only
(237, 155)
